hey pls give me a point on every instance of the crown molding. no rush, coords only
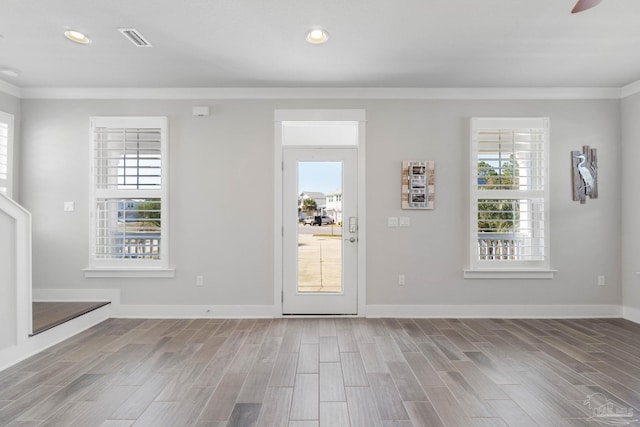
(10, 89)
(321, 93)
(630, 89)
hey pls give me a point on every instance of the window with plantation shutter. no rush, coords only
(129, 181)
(6, 155)
(509, 197)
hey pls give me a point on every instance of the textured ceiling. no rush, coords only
(373, 43)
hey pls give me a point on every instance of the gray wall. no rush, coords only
(9, 103)
(433, 252)
(630, 201)
(222, 223)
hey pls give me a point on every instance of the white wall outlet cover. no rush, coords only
(405, 221)
(392, 221)
(69, 206)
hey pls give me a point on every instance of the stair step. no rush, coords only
(49, 314)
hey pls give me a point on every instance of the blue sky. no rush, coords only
(323, 177)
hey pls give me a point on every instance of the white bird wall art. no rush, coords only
(585, 174)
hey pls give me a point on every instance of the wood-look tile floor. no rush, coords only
(330, 372)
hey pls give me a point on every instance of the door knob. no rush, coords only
(351, 239)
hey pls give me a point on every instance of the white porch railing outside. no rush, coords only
(501, 246)
(141, 245)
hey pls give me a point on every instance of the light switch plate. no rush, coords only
(392, 221)
(69, 206)
(405, 221)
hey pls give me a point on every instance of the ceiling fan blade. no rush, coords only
(583, 5)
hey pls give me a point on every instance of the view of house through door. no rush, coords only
(319, 226)
(320, 232)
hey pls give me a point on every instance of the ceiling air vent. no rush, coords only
(135, 37)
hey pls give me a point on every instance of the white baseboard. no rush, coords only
(631, 313)
(441, 311)
(192, 311)
(167, 311)
(374, 310)
(37, 343)
(495, 311)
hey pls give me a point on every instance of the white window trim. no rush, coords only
(130, 273)
(131, 268)
(507, 269)
(9, 120)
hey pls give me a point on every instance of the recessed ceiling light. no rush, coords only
(317, 35)
(10, 72)
(77, 37)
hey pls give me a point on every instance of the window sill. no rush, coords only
(131, 273)
(509, 274)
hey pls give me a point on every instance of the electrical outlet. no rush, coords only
(401, 280)
(601, 281)
(199, 281)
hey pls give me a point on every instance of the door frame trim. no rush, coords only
(311, 116)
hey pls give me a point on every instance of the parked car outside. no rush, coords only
(318, 220)
(326, 220)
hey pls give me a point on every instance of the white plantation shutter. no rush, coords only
(129, 221)
(6, 144)
(128, 158)
(509, 193)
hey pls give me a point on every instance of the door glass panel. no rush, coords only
(319, 227)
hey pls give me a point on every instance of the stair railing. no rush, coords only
(22, 259)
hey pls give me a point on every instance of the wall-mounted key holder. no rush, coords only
(417, 184)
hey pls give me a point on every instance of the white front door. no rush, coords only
(320, 236)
